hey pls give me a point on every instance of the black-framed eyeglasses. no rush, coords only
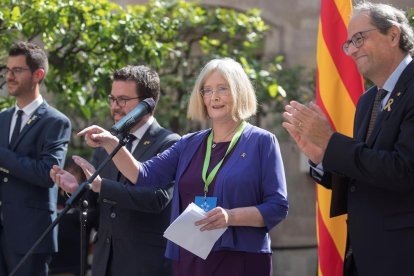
(14, 71)
(121, 101)
(221, 90)
(357, 40)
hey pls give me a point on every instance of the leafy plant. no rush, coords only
(88, 39)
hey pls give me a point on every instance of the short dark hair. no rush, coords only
(147, 80)
(36, 58)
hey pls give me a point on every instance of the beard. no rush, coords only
(16, 88)
(117, 115)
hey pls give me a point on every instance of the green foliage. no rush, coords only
(276, 87)
(5, 103)
(88, 39)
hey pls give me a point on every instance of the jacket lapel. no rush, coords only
(363, 114)
(147, 140)
(36, 116)
(394, 100)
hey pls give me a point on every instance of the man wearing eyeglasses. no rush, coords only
(132, 220)
(372, 174)
(34, 137)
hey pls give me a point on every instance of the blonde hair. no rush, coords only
(242, 92)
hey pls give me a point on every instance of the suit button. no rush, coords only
(108, 240)
(5, 179)
(352, 189)
(113, 215)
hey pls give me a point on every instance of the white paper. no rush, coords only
(184, 233)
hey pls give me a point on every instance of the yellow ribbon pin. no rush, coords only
(388, 105)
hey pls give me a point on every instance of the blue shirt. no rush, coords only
(393, 78)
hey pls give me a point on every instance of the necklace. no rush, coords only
(225, 137)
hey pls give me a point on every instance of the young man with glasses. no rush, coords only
(372, 174)
(132, 221)
(34, 137)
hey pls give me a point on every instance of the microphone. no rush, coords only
(133, 117)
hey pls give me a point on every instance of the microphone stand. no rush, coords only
(83, 220)
(76, 196)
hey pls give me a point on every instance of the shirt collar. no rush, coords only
(31, 107)
(141, 131)
(389, 85)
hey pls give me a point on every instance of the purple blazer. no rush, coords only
(252, 176)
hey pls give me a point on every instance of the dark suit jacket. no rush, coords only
(378, 182)
(27, 193)
(133, 219)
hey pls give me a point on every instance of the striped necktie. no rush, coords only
(375, 111)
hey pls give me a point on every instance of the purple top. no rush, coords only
(192, 183)
(253, 175)
(224, 263)
(218, 262)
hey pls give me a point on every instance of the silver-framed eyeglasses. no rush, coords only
(14, 71)
(221, 91)
(121, 101)
(357, 40)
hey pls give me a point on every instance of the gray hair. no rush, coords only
(384, 17)
(242, 92)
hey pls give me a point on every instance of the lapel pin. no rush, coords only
(147, 142)
(398, 94)
(243, 155)
(388, 105)
(32, 119)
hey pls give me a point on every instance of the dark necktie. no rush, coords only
(375, 111)
(17, 127)
(128, 146)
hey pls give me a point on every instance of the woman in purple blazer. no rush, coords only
(234, 167)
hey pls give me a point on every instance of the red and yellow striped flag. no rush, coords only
(338, 88)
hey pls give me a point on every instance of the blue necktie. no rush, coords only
(17, 127)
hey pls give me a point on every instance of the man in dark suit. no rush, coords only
(132, 221)
(34, 137)
(372, 174)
